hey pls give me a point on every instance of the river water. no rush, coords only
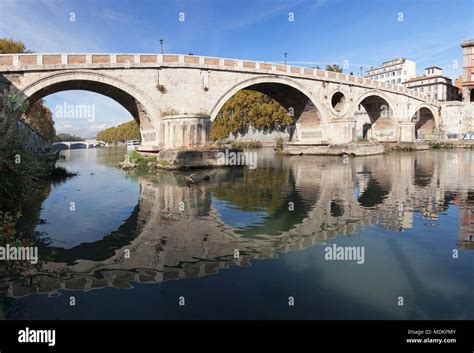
(244, 243)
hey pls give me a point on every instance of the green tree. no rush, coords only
(121, 133)
(67, 137)
(334, 68)
(248, 109)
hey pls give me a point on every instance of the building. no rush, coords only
(458, 83)
(434, 84)
(394, 71)
(468, 67)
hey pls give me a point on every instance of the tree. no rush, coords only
(10, 46)
(67, 137)
(40, 119)
(248, 109)
(38, 116)
(334, 68)
(121, 133)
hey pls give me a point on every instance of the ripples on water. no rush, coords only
(409, 211)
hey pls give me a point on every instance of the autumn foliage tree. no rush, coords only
(10, 46)
(121, 133)
(249, 109)
(38, 116)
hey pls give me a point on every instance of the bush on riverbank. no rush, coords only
(23, 172)
(136, 160)
(246, 144)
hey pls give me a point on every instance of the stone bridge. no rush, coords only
(87, 143)
(175, 98)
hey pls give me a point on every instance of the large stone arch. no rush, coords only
(265, 83)
(137, 103)
(307, 112)
(379, 122)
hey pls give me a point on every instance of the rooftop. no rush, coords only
(389, 62)
(468, 43)
(424, 77)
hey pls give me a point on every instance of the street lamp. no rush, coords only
(161, 44)
(285, 54)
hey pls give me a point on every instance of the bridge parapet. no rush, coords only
(10, 63)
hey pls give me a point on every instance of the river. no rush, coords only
(243, 243)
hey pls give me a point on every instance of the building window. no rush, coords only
(399, 80)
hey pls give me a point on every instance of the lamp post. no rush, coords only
(161, 44)
(285, 54)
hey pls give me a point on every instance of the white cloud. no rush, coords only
(68, 127)
(97, 127)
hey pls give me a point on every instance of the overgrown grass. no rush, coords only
(246, 144)
(140, 160)
(163, 163)
(279, 143)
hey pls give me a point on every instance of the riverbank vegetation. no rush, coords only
(23, 171)
(121, 133)
(67, 137)
(25, 179)
(136, 160)
(246, 144)
(38, 116)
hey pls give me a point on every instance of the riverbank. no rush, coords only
(211, 157)
(221, 156)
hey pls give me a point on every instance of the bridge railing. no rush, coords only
(43, 61)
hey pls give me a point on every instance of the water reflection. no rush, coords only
(178, 231)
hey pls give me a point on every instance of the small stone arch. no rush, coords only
(374, 113)
(426, 122)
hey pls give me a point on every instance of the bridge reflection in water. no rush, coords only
(182, 231)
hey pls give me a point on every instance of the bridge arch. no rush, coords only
(425, 120)
(380, 123)
(286, 91)
(132, 99)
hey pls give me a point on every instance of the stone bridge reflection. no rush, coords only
(182, 231)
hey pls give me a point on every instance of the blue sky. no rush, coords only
(363, 32)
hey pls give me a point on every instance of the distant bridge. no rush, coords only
(175, 98)
(88, 143)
